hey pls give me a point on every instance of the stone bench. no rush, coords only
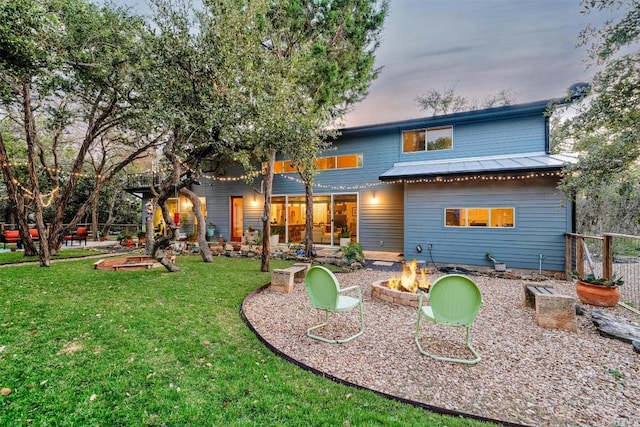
(282, 279)
(553, 310)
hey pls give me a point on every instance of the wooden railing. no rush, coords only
(115, 228)
(607, 256)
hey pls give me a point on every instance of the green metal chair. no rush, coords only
(454, 300)
(325, 294)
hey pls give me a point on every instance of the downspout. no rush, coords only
(547, 137)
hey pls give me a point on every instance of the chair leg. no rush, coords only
(476, 359)
(321, 325)
(336, 341)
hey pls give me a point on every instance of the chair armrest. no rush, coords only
(350, 288)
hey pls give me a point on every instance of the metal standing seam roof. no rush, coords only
(527, 162)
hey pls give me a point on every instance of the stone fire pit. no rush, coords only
(379, 290)
(404, 289)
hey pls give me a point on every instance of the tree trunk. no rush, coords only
(94, 220)
(158, 245)
(149, 240)
(308, 241)
(201, 231)
(111, 214)
(30, 136)
(266, 214)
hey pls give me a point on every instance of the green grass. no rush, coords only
(81, 347)
(626, 247)
(18, 256)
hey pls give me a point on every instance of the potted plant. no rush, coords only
(274, 237)
(250, 236)
(599, 291)
(125, 239)
(211, 230)
(352, 252)
(345, 236)
(142, 235)
(497, 265)
(101, 236)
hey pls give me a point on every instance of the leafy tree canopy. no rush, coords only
(604, 129)
(447, 101)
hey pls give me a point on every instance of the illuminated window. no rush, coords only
(413, 140)
(480, 217)
(456, 217)
(345, 161)
(325, 163)
(277, 167)
(502, 217)
(349, 161)
(431, 139)
(288, 167)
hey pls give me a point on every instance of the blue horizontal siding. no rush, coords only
(512, 136)
(401, 218)
(541, 220)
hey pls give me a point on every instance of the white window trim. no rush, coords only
(426, 139)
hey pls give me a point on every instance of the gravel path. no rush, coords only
(528, 374)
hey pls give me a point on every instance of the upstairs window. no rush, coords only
(345, 161)
(430, 139)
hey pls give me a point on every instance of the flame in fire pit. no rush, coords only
(411, 279)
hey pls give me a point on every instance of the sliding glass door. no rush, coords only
(333, 215)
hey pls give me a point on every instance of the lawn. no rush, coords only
(18, 256)
(81, 347)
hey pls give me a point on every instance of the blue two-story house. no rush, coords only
(451, 188)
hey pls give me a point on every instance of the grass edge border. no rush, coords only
(431, 408)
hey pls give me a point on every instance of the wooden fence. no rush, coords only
(607, 255)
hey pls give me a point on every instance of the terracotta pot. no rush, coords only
(602, 296)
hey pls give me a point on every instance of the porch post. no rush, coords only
(607, 256)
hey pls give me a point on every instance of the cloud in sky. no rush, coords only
(478, 47)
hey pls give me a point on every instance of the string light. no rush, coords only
(336, 187)
(232, 178)
(435, 180)
(293, 178)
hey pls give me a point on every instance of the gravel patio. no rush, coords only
(528, 375)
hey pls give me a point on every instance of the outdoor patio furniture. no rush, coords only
(454, 300)
(325, 294)
(79, 235)
(10, 236)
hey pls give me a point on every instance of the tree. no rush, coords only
(68, 75)
(239, 82)
(201, 82)
(447, 101)
(330, 45)
(604, 128)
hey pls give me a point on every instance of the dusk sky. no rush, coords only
(477, 46)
